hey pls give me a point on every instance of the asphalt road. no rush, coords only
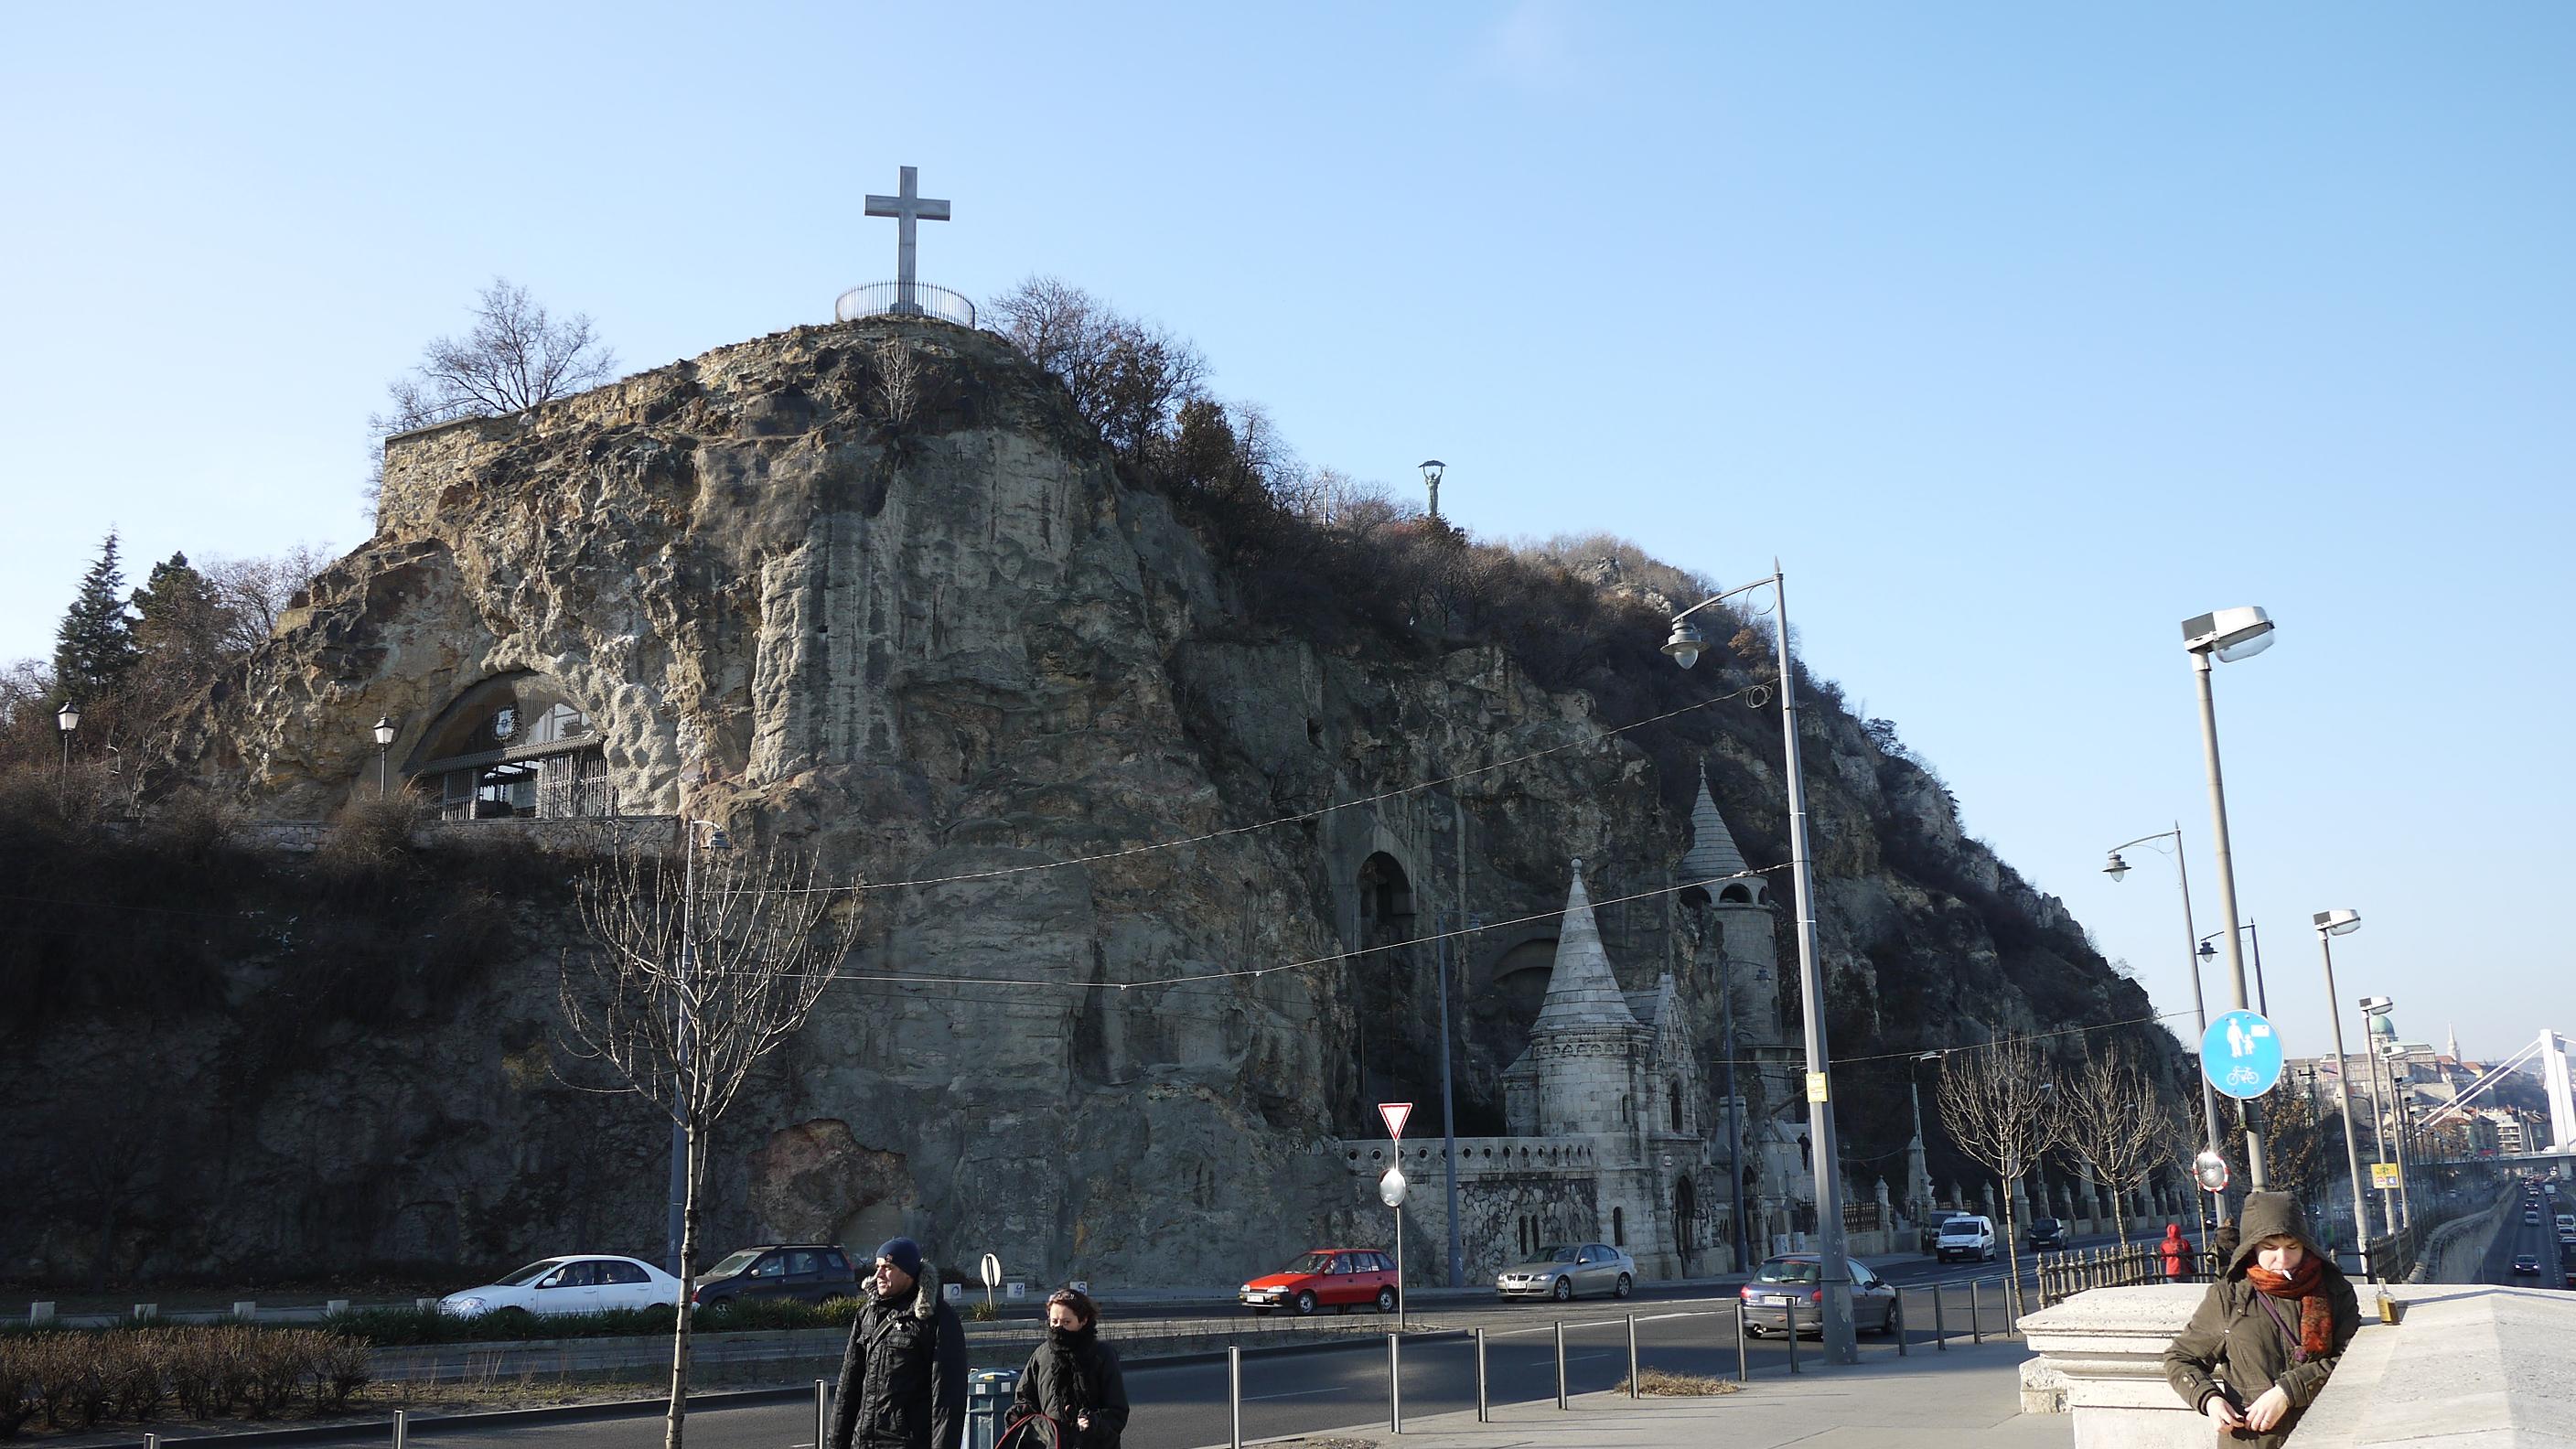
(1310, 1390)
(2539, 1239)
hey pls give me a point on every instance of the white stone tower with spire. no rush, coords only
(1583, 1070)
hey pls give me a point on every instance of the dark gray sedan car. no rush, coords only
(1795, 1281)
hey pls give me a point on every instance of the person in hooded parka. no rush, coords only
(2258, 1350)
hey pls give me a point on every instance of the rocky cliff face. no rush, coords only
(876, 591)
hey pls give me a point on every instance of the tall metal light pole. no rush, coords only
(384, 742)
(687, 1034)
(2392, 1053)
(67, 719)
(2226, 636)
(1448, 1113)
(2331, 924)
(1685, 646)
(2118, 870)
(2262, 993)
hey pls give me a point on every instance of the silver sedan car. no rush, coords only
(1794, 1280)
(1562, 1270)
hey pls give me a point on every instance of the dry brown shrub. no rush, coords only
(1660, 1383)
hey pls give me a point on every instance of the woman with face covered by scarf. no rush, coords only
(2269, 1332)
(1073, 1377)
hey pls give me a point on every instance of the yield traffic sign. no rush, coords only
(1395, 1113)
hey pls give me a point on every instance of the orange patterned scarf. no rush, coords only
(2305, 1283)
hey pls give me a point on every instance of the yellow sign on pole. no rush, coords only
(1816, 1089)
(2383, 1176)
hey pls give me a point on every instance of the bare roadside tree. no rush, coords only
(2000, 1105)
(2116, 1125)
(701, 967)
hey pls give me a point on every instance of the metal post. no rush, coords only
(1234, 1393)
(1834, 1265)
(1743, 1360)
(2012, 1324)
(1976, 1315)
(1899, 1311)
(402, 1428)
(380, 772)
(1484, 1407)
(1789, 1313)
(2343, 1105)
(1632, 1355)
(1560, 1363)
(1940, 1328)
(2256, 1179)
(1394, 1384)
(822, 1412)
(1448, 1115)
(2397, 1102)
(2199, 1003)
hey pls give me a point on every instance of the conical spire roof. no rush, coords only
(1582, 991)
(1712, 850)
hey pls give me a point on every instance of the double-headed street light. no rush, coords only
(1686, 645)
(2118, 869)
(2331, 924)
(2227, 636)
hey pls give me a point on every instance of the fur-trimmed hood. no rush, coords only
(925, 1292)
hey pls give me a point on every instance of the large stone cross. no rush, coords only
(907, 208)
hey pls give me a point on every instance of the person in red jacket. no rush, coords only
(2177, 1252)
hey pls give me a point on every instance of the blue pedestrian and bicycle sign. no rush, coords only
(2241, 1054)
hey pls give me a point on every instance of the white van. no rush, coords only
(1966, 1235)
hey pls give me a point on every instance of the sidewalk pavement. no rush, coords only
(1939, 1401)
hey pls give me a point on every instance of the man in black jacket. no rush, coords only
(903, 1378)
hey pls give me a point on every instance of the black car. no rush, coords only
(807, 1272)
(2525, 1263)
(2046, 1233)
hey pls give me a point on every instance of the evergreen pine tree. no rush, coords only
(180, 627)
(94, 648)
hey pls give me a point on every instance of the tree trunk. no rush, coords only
(2012, 1253)
(679, 1411)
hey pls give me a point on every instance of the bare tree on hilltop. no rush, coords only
(1128, 378)
(517, 356)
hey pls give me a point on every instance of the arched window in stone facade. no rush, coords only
(513, 747)
(1676, 1089)
(1618, 1227)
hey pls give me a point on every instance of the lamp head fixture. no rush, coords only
(2338, 923)
(2207, 950)
(384, 731)
(2377, 1005)
(2229, 634)
(67, 719)
(1687, 643)
(2117, 868)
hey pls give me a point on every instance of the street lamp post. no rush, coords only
(67, 719)
(2403, 1121)
(2226, 636)
(384, 742)
(687, 1034)
(2262, 993)
(1685, 646)
(1448, 1114)
(2331, 924)
(2118, 869)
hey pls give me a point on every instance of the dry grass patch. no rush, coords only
(1659, 1384)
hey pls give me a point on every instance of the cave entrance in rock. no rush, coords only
(1396, 1040)
(513, 747)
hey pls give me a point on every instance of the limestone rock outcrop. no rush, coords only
(877, 592)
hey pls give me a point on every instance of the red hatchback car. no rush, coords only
(1335, 1277)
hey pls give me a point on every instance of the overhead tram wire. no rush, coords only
(1759, 691)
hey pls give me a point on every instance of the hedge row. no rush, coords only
(80, 1379)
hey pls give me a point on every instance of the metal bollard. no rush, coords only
(402, 1427)
(1233, 1396)
(1560, 1363)
(151, 1441)
(1394, 1386)
(1898, 1310)
(1790, 1314)
(1632, 1355)
(1940, 1327)
(2011, 1324)
(1484, 1409)
(1976, 1311)
(1743, 1363)
(822, 1412)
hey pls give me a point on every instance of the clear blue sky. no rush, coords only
(2018, 332)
